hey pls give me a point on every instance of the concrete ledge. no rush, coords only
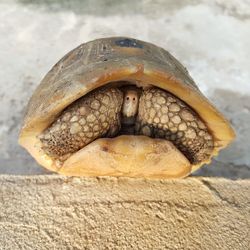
(54, 212)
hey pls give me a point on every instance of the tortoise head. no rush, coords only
(122, 107)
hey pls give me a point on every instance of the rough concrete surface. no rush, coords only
(211, 38)
(52, 212)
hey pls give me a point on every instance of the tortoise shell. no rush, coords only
(112, 60)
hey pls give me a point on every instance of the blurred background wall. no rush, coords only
(210, 37)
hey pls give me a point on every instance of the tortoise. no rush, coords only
(119, 106)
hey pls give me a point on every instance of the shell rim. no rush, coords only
(146, 71)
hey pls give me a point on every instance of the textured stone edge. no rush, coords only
(56, 212)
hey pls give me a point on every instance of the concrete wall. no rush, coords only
(52, 212)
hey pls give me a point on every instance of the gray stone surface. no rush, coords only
(52, 212)
(211, 38)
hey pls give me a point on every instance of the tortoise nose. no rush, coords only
(130, 103)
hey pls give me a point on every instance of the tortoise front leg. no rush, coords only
(163, 115)
(93, 116)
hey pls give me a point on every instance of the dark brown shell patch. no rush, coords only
(129, 43)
